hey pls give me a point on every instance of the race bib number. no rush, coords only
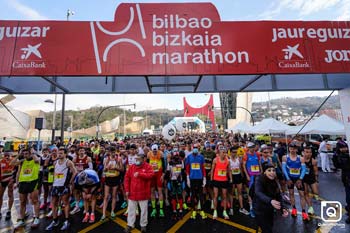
(27, 172)
(195, 166)
(207, 166)
(155, 167)
(177, 170)
(236, 171)
(112, 173)
(255, 168)
(222, 172)
(59, 175)
(294, 171)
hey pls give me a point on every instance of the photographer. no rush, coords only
(266, 198)
(343, 162)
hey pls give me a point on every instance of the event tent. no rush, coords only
(322, 125)
(241, 127)
(268, 126)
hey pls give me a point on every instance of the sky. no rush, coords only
(229, 10)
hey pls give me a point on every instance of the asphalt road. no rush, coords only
(331, 189)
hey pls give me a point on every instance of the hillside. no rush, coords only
(87, 118)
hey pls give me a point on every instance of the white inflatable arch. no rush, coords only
(180, 123)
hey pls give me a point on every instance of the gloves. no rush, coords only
(204, 182)
(188, 182)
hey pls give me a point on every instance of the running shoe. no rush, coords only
(59, 212)
(244, 211)
(8, 215)
(317, 198)
(311, 210)
(184, 206)
(43, 206)
(252, 214)
(20, 224)
(161, 213)
(92, 218)
(35, 223)
(86, 218)
(75, 210)
(81, 204)
(103, 218)
(215, 214)
(194, 214)
(167, 203)
(49, 215)
(154, 213)
(52, 225)
(224, 213)
(124, 205)
(65, 226)
(294, 212)
(202, 214)
(305, 216)
(231, 212)
(113, 215)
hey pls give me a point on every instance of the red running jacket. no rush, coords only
(139, 188)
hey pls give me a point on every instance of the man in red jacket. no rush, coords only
(137, 183)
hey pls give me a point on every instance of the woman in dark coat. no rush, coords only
(267, 198)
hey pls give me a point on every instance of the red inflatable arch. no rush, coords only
(206, 109)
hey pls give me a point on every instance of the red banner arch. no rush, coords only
(206, 109)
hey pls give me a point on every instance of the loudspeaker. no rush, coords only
(39, 123)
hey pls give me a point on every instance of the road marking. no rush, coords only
(236, 225)
(93, 226)
(180, 223)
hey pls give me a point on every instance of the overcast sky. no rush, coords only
(229, 10)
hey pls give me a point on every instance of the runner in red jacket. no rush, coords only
(137, 184)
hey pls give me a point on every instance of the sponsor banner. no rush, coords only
(173, 39)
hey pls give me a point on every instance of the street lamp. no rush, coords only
(114, 106)
(53, 118)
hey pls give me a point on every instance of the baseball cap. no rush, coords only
(154, 147)
(250, 144)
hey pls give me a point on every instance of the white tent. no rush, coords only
(322, 125)
(241, 127)
(268, 126)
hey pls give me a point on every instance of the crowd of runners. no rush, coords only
(189, 172)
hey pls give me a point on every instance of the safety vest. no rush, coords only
(29, 171)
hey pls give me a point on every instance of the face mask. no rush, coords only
(137, 163)
(195, 151)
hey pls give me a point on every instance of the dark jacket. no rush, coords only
(265, 191)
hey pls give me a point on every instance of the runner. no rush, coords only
(155, 160)
(196, 180)
(220, 171)
(251, 167)
(6, 179)
(209, 156)
(175, 172)
(89, 182)
(49, 170)
(81, 162)
(112, 167)
(294, 169)
(28, 183)
(237, 180)
(43, 176)
(63, 179)
(310, 178)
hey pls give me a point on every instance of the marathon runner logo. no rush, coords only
(120, 35)
(293, 58)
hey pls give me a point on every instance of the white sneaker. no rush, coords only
(35, 223)
(244, 211)
(49, 215)
(75, 210)
(59, 212)
(231, 212)
(311, 210)
(215, 214)
(21, 223)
